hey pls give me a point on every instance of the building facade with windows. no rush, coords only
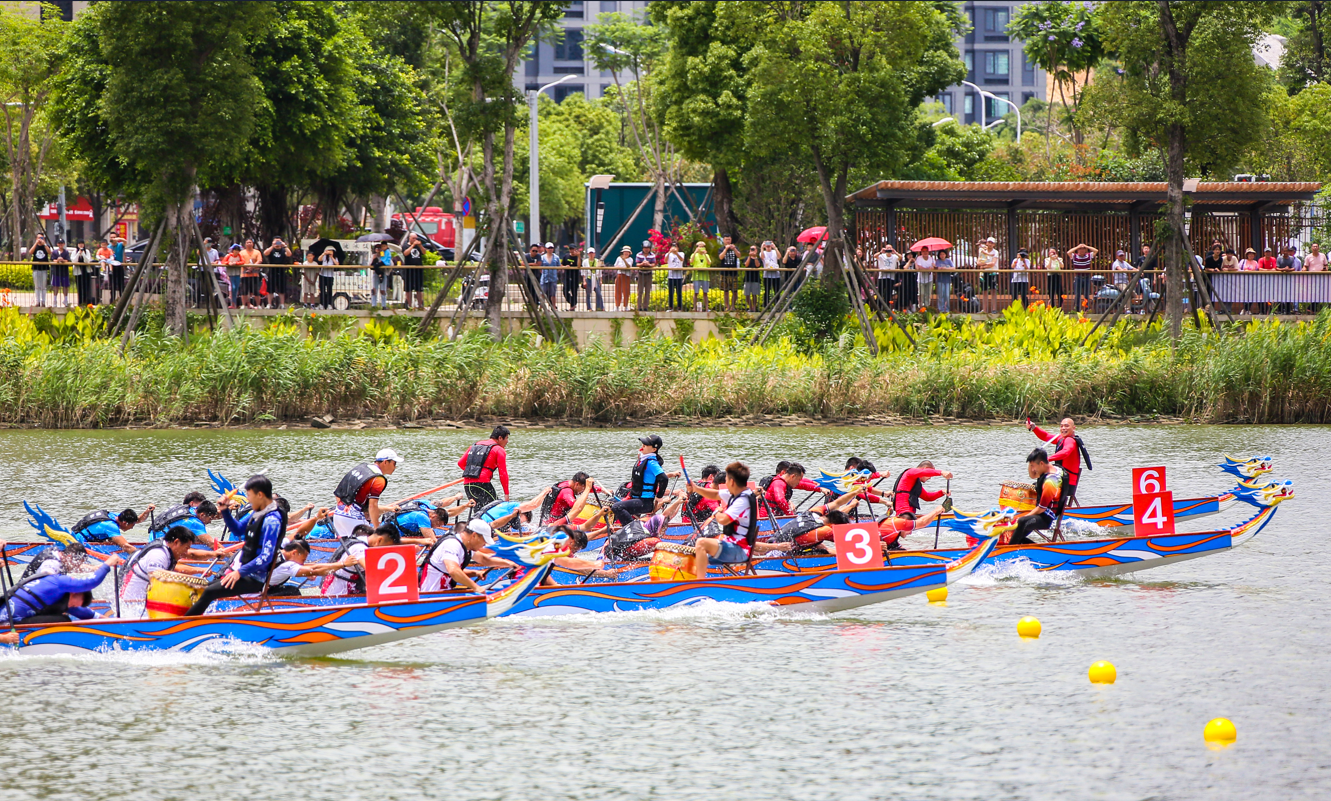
(568, 56)
(995, 62)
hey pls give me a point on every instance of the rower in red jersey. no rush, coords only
(783, 485)
(1068, 453)
(909, 489)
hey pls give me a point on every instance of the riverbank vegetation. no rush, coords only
(56, 372)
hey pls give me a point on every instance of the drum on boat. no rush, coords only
(672, 562)
(1017, 495)
(172, 594)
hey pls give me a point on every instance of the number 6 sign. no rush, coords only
(857, 546)
(390, 574)
(1148, 480)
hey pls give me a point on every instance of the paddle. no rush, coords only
(688, 482)
(4, 587)
(938, 521)
(115, 590)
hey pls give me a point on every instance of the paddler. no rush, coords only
(446, 562)
(638, 539)
(1048, 498)
(1069, 450)
(513, 515)
(359, 490)
(194, 517)
(647, 483)
(565, 494)
(261, 541)
(102, 526)
(160, 554)
(55, 559)
(52, 598)
(348, 575)
(738, 521)
(416, 521)
(479, 465)
(909, 489)
(784, 484)
(701, 508)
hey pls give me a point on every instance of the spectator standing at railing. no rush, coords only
(413, 272)
(328, 264)
(1021, 279)
(549, 264)
(60, 273)
(40, 256)
(887, 261)
(1315, 263)
(646, 263)
(925, 265)
(752, 278)
(278, 254)
(728, 275)
(1053, 266)
(771, 272)
(943, 280)
(674, 279)
(986, 261)
(250, 281)
(591, 279)
(621, 278)
(233, 261)
(1288, 262)
(1080, 258)
(1119, 270)
(310, 280)
(83, 272)
(104, 256)
(700, 263)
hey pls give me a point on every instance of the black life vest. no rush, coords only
(476, 456)
(548, 504)
(20, 592)
(355, 573)
(640, 475)
(617, 543)
(425, 565)
(765, 482)
(132, 566)
(173, 516)
(1081, 447)
(803, 523)
(912, 494)
(253, 542)
(44, 555)
(731, 529)
(350, 485)
(100, 516)
(405, 508)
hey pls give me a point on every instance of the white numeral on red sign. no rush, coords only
(857, 546)
(387, 577)
(1153, 513)
(1148, 480)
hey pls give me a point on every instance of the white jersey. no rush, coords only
(136, 587)
(436, 574)
(337, 585)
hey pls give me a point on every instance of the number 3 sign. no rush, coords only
(857, 546)
(390, 574)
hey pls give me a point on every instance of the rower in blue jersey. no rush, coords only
(102, 526)
(53, 598)
(194, 517)
(261, 536)
(511, 515)
(416, 520)
(647, 484)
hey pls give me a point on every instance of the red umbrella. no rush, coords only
(933, 243)
(814, 234)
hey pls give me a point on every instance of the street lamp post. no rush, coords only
(983, 119)
(534, 202)
(979, 92)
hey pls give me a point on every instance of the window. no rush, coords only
(533, 58)
(946, 100)
(1027, 71)
(1026, 97)
(969, 58)
(968, 105)
(609, 6)
(576, 69)
(565, 89)
(994, 109)
(574, 10)
(996, 63)
(995, 20)
(570, 49)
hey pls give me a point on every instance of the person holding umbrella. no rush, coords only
(925, 264)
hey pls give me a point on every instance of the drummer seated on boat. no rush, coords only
(160, 554)
(447, 560)
(738, 522)
(1048, 498)
(261, 542)
(54, 598)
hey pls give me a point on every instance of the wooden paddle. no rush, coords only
(688, 482)
(938, 521)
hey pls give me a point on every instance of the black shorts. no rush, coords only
(480, 492)
(249, 285)
(413, 279)
(277, 280)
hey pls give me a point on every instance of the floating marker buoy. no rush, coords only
(936, 596)
(1102, 673)
(1028, 628)
(1220, 731)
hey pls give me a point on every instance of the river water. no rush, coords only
(900, 700)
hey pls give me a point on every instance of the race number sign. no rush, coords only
(390, 574)
(857, 546)
(1148, 480)
(1153, 513)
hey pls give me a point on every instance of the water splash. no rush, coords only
(213, 652)
(704, 611)
(1020, 571)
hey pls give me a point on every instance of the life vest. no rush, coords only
(912, 494)
(350, 485)
(732, 529)
(1081, 448)
(100, 516)
(640, 475)
(46, 554)
(253, 542)
(619, 544)
(553, 495)
(132, 567)
(406, 508)
(476, 457)
(803, 523)
(173, 516)
(21, 594)
(425, 565)
(355, 574)
(765, 482)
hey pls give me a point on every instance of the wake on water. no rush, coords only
(212, 652)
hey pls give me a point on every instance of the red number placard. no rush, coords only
(390, 574)
(857, 546)
(1148, 480)
(1153, 513)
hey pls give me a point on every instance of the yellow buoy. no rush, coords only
(1102, 673)
(936, 596)
(1220, 731)
(1028, 628)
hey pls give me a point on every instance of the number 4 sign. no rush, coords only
(857, 546)
(390, 574)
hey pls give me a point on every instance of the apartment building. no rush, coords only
(570, 57)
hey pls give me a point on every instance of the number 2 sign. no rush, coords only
(857, 546)
(390, 574)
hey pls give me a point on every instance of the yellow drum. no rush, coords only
(1017, 495)
(172, 594)
(671, 562)
(586, 513)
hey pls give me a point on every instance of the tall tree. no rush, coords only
(842, 83)
(1064, 40)
(491, 38)
(1193, 91)
(1304, 61)
(31, 56)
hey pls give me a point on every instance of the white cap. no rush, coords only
(387, 455)
(549, 244)
(480, 527)
(991, 240)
